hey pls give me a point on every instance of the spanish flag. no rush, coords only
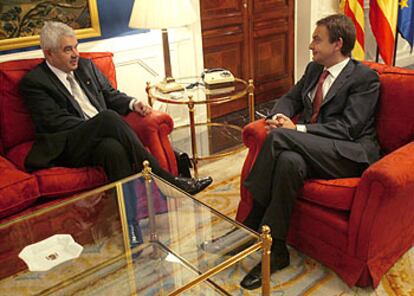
(355, 10)
(383, 15)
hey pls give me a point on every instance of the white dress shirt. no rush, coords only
(83, 101)
(334, 72)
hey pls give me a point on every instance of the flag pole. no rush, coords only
(377, 55)
(395, 48)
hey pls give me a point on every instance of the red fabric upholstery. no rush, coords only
(393, 129)
(18, 154)
(60, 181)
(18, 190)
(161, 125)
(15, 121)
(358, 227)
(17, 136)
(336, 194)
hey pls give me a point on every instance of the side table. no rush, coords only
(195, 93)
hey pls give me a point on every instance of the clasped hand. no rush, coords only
(142, 109)
(279, 120)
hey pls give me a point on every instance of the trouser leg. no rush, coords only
(255, 216)
(108, 124)
(291, 173)
(111, 155)
(275, 185)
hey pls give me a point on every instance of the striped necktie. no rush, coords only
(87, 108)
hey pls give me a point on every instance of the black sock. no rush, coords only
(254, 219)
(279, 248)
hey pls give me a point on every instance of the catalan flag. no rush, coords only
(406, 21)
(355, 10)
(383, 18)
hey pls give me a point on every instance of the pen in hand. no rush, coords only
(260, 115)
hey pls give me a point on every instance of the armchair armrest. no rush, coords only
(383, 206)
(153, 131)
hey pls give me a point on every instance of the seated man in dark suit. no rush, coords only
(334, 138)
(76, 113)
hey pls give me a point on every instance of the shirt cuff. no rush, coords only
(301, 128)
(131, 104)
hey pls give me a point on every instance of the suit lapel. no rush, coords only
(314, 77)
(339, 81)
(85, 83)
(63, 90)
(307, 103)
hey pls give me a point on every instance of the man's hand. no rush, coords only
(285, 121)
(142, 109)
(280, 120)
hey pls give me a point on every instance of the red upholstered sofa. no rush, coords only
(358, 227)
(20, 190)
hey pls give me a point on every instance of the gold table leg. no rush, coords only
(250, 90)
(267, 243)
(146, 173)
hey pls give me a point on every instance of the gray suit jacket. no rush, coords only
(347, 113)
(55, 112)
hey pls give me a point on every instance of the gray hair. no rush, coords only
(52, 32)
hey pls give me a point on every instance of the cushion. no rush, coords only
(395, 116)
(16, 125)
(58, 181)
(18, 190)
(104, 62)
(18, 154)
(335, 194)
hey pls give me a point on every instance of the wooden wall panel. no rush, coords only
(254, 40)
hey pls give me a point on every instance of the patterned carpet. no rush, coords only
(304, 276)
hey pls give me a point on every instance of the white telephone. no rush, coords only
(217, 77)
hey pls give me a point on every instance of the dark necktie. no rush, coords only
(317, 100)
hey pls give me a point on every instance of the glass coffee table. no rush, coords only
(186, 243)
(203, 135)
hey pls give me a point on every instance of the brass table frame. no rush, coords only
(190, 102)
(264, 244)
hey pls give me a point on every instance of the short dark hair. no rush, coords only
(340, 26)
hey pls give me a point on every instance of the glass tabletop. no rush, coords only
(182, 239)
(194, 87)
(212, 139)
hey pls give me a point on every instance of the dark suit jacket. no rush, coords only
(347, 111)
(55, 112)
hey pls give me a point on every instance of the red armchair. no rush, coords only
(19, 189)
(358, 227)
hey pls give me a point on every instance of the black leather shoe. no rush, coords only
(253, 279)
(192, 186)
